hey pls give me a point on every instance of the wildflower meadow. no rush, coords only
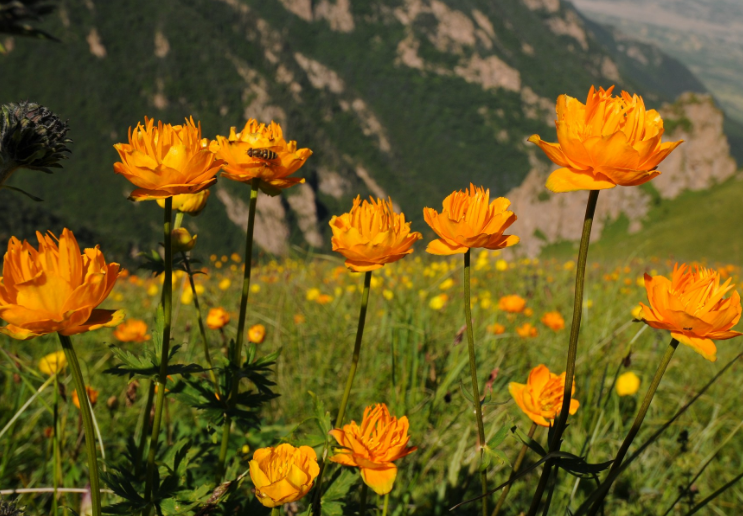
(394, 375)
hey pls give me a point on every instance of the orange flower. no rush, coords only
(55, 289)
(133, 330)
(541, 397)
(553, 321)
(609, 141)
(193, 204)
(691, 306)
(260, 152)
(526, 331)
(92, 396)
(373, 446)
(323, 299)
(496, 329)
(468, 219)
(166, 160)
(217, 318)
(283, 474)
(514, 304)
(257, 333)
(372, 235)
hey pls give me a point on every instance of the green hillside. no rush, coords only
(221, 61)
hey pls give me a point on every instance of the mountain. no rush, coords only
(411, 98)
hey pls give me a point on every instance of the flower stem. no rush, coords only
(473, 374)
(362, 500)
(386, 504)
(55, 446)
(237, 346)
(347, 390)
(163, 375)
(202, 330)
(82, 394)
(516, 466)
(616, 465)
(145, 426)
(561, 421)
(276, 511)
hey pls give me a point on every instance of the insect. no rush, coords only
(265, 154)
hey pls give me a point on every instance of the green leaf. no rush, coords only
(15, 189)
(531, 443)
(499, 437)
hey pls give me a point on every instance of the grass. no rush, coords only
(411, 360)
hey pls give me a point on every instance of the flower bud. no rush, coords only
(193, 204)
(182, 240)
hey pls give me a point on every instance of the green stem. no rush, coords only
(616, 465)
(362, 501)
(163, 375)
(82, 394)
(237, 346)
(349, 384)
(276, 511)
(55, 446)
(386, 504)
(202, 329)
(145, 426)
(561, 422)
(178, 220)
(473, 375)
(516, 466)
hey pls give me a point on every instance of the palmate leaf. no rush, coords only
(147, 364)
(155, 263)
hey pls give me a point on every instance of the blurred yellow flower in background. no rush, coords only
(132, 330)
(438, 302)
(553, 321)
(283, 474)
(469, 220)
(53, 363)
(627, 384)
(217, 318)
(512, 303)
(526, 331)
(55, 289)
(372, 235)
(496, 329)
(257, 333)
(166, 160)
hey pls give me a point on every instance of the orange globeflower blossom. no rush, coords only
(283, 474)
(553, 321)
(373, 446)
(372, 235)
(541, 397)
(257, 333)
(607, 141)
(132, 330)
(513, 304)
(217, 318)
(166, 160)
(261, 152)
(526, 331)
(468, 220)
(55, 289)
(193, 204)
(92, 396)
(691, 306)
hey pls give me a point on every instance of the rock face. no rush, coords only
(700, 162)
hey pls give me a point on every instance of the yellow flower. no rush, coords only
(501, 265)
(235, 258)
(193, 204)
(92, 396)
(53, 363)
(438, 302)
(166, 160)
(372, 235)
(468, 219)
(526, 331)
(55, 289)
(187, 296)
(283, 474)
(182, 240)
(541, 397)
(512, 304)
(261, 152)
(627, 384)
(224, 284)
(528, 311)
(388, 294)
(496, 329)
(637, 313)
(607, 141)
(254, 289)
(133, 330)
(553, 321)
(374, 446)
(217, 318)
(257, 333)
(446, 284)
(691, 306)
(313, 294)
